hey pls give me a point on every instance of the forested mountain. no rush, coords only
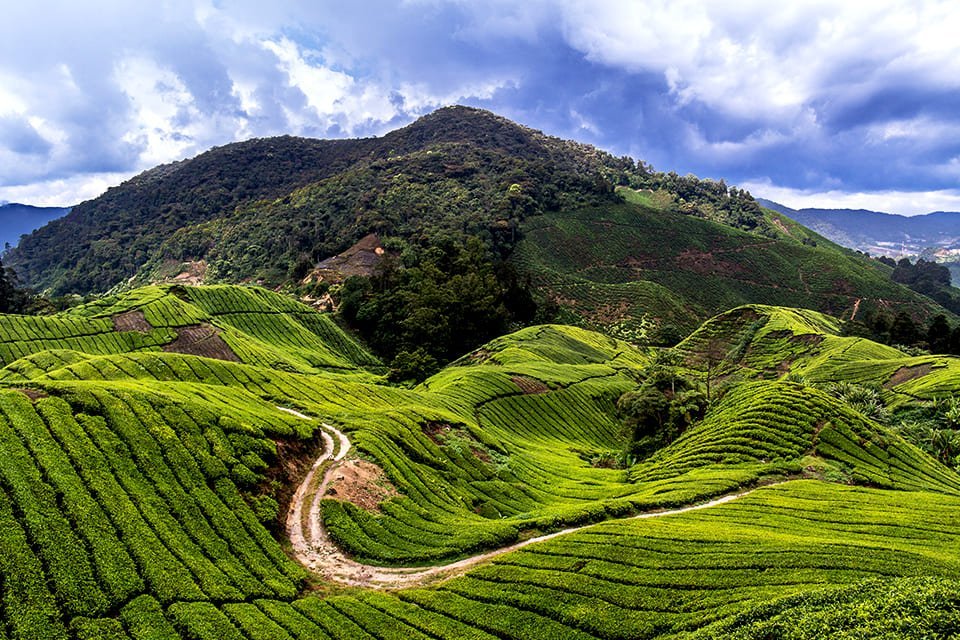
(19, 219)
(244, 208)
(560, 230)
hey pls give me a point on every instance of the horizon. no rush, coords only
(803, 107)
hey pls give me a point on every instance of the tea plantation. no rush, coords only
(152, 441)
(634, 268)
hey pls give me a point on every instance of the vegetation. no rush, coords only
(143, 486)
(152, 439)
(255, 209)
(645, 273)
(434, 308)
(12, 298)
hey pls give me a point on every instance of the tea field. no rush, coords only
(152, 441)
(634, 268)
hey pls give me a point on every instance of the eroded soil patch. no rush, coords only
(131, 321)
(201, 340)
(33, 394)
(906, 374)
(361, 483)
(529, 385)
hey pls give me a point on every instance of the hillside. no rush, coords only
(159, 482)
(935, 237)
(641, 270)
(255, 209)
(19, 219)
(280, 211)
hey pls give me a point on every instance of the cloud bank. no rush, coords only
(852, 101)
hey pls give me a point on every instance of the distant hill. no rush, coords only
(876, 232)
(934, 236)
(19, 219)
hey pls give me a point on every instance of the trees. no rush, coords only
(904, 330)
(435, 305)
(661, 408)
(938, 335)
(12, 298)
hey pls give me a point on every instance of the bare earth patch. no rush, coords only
(361, 483)
(131, 321)
(529, 385)
(359, 260)
(779, 225)
(906, 374)
(33, 394)
(436, 430)
(705, 263)
(202, 340)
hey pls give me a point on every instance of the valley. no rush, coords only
(152, 493)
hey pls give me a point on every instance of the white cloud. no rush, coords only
(63, 192)
(906, 203)
(119, 87)
(759, 59)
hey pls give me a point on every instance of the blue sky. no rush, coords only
(839, 104)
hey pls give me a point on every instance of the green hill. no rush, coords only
(152, 442)
(607, 243)
(255, 209)
(642, 269)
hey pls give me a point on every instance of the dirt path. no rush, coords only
(314, 549)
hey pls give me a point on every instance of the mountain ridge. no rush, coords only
(80, 253)
(866, 229)
(17, 219)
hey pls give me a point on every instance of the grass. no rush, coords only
(142, 488)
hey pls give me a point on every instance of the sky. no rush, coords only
(810, 103)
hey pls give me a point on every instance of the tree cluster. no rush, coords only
(901, 329)
(709, 199)
(660, 408)
(925, 277)
(424, 308)
(13, 299)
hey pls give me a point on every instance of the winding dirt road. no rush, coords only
(313, 547)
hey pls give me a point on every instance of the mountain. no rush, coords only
(224, 462)
(607, 241)
(254, 209)
(19, 219)
(879, 233)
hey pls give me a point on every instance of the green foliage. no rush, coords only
(935, 428)
(898, 608)
(252, 210)
(141, 488)
(640, 264)
(930, 279)
(442, 304)
(662, 407)
(12, 298)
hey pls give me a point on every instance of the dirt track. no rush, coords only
(316, 551)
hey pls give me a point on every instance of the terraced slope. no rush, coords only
(144, 489)
(242, 324)
(763, 342)
(633, 268)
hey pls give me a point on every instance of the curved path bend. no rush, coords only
(313, 547)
